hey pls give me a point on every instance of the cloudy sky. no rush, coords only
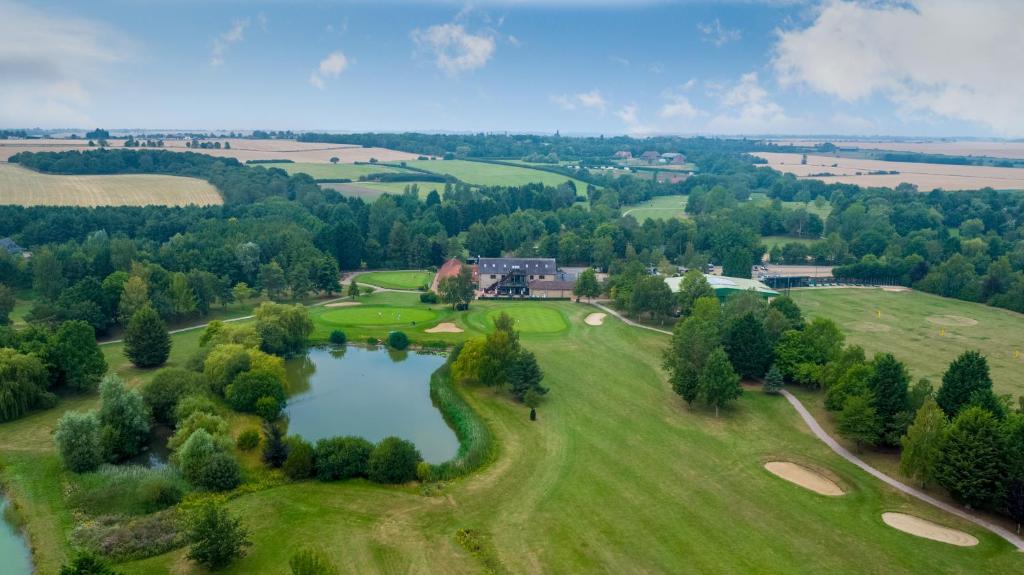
(914, 67)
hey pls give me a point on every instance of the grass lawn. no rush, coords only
(822, 212)
(330, 171)
(532, 318)
(485, 174)
(771, 241)
(659, 208)
(925, 331)
(616, 476)
(396, 280)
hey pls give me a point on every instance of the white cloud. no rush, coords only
(746, 108)
(714, 33)
(619, 60)
(49, 63)
(956, 59)
(678, 107)
(453, 49)
(330, 67)
(593, 100)
(231, 36)
(630, 116)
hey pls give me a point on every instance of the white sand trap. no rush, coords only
(446, 327)
(595, 318)
(870, 327)
(804, 477)
(928, 530)
(951, 320)
(343, 304)
(895, 289)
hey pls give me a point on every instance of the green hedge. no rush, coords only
(476, 444)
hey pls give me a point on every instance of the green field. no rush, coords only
(617, 475)
(396, 280)
(772, 241)
(333, 171)
(485, 174)
(923, 330)
(658, 208)
(532, 318)
(822, 212)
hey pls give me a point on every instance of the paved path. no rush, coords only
(1006, 534)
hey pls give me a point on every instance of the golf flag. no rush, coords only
(942, 332)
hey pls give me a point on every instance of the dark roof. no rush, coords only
(11, 247)
(552, 284)
(505, 265)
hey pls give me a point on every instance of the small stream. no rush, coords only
(15, 555)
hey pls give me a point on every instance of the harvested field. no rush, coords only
(992, 149)
(446, 327)
(242, 149)
(20, 186)
(928, 530)
(925, 176)
(804, 477)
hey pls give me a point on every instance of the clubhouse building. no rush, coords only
(522, 277)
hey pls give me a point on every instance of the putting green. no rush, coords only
(532, 319)
(396, 280)
(377, 315)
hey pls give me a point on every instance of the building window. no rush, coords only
(493, 276)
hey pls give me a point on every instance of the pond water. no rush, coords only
(372, 393)
(14, 552)
(156, 453)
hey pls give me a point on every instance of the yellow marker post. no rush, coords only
(878, 313)
(1016, 354)
(942, 332)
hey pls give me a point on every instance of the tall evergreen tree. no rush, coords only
(859, 422)
(973, 464)
(966, 375)
(889, 383)
(524, 375)
(146, 341)
(79, 361)
(774, 380)
(747, 345)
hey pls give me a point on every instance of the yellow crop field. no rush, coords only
(24, 187)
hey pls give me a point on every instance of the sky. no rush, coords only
(788, 67)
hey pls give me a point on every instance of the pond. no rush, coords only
(14, 551)
(372, 393)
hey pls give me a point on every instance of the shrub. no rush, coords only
(371, 341)
(216, 538)
(299, 464)
(423, 471)
(342, 458)
(78, 440)
(166, 389)
(124, 420)
(338, 337)
(212, 424)
(126, 490)
(250, 386)
(398, 340)
(124, 539)
(310, 562)
(87, 564)
(219, 473)
(268, 408)
(248, 440)
(192, 404)
(393, 460)
(428, 297)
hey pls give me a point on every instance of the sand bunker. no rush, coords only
(928, 530)
(951, 320)
(343, 304)
(804, 477)
(595, 318)
(895, 289)
(870, 327)
(446, 327)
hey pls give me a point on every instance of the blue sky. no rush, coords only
(923, 67)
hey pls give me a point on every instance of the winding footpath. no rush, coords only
(816, 428)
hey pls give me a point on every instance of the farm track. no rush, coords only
(828, 440)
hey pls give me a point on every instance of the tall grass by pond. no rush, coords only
(476, 444)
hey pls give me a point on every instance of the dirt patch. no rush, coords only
(804, 477)
(951, 320)
(868, 326)
(928, 530)
(595, 318)
(343, 304)
(446, 327)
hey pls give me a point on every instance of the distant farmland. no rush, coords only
(658, 208)
(321, 171)
(486, 174)
(925, 176)
(23, 187)
(986, 148)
